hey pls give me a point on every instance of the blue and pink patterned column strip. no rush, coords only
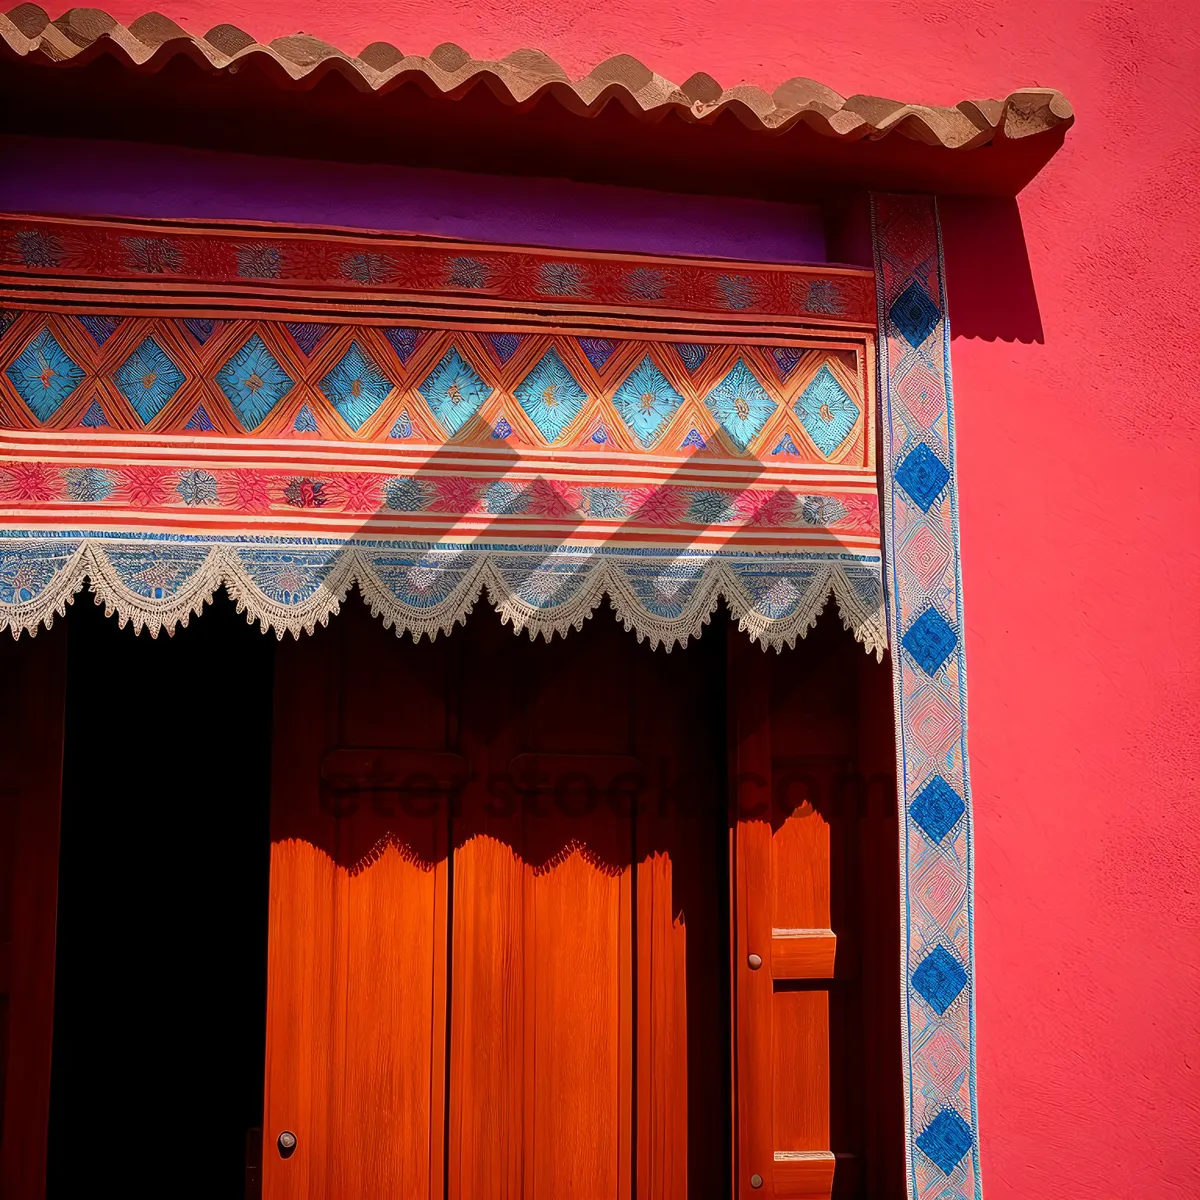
(924, 587)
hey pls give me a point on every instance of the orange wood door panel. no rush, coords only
(784, 947)
(542, 1010)
(356, 1001)
(496, 949)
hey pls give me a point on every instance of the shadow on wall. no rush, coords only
(989, 283)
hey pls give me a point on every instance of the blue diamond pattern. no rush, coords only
(201, 328)
(786, 446)
(914, 314)
(827, 411)
(454, 391)
(692, 354)
(253, 382)
(307, 334)
(937, 808)
(101, 328)
(646, 401)
(148, 379)
(44, 375)
(598, 350)
(505, 345)
(939, 979)
(922, 475)
(946, 1139)
(930, 640)
(786, 359)
(741, 404)
(356, 387)
(94, 418)
(550, 396)
(200, 420)
(404, 341)
(403, 426)
(694, 440)
(305, 422)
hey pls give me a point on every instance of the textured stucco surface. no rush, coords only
(1079, 430)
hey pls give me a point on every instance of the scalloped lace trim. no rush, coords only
(130, 580)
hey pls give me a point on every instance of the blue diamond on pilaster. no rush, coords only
(914, 314)
(939, 979)
(930, 640)
(946, 1140)
(922, 475)
(937, 808)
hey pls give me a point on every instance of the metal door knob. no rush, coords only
(756, 1181)
(286, 1143)
(754, 961)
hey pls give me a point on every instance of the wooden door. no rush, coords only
(495, 943)
(783, 759)
(362, 776)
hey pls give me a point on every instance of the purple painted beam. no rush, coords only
(135, 180)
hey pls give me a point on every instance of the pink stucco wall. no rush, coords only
(1078, 424)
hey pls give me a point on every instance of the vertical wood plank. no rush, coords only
(542, 1008)
(662, 1041)
(32, 709)
(579, 1079)
(487, 1060)
(750, 760)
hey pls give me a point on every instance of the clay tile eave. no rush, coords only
(524, 77)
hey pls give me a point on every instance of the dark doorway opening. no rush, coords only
(160, 1001)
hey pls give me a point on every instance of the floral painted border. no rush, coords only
(924, 588)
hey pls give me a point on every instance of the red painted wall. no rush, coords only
(1078, 408)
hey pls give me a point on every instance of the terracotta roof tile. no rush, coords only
(526, 76)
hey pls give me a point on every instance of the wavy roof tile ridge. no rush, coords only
(524, 76)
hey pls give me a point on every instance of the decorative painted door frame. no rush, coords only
(924, 589)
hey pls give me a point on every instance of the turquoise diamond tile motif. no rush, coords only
(827, 411)
(646, 401)
(551, 396)
(148, 378)
(740, 404)
(253, 382)
(356, 387)
(454, 391)
(44, 375)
